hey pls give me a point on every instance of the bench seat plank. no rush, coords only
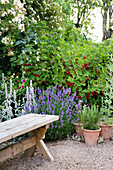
(19, 128)
(13, 123)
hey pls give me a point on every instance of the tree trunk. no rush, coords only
(110, 21)
(107, 20)
(105, 14)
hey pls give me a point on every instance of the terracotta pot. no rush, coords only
(79, 128)
(91, 136)
(106, 131)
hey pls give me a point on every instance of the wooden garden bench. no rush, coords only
(33, 124)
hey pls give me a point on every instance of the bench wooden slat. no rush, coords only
(26, 127)
(13, 124)
(14, 120)
(18, 119)
(17, 148)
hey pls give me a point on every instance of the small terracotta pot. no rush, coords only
(106, 131)
(91, 136)
(79, 128)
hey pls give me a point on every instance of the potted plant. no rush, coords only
(91, 128)
(106, 127)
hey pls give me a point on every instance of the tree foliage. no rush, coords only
(83, 11)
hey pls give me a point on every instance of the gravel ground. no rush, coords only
(68, 155)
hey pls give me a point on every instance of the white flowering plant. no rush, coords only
(12, 101)
(11, 18)
(23, 31)
(45, 10)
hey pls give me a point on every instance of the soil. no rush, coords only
(68, 155)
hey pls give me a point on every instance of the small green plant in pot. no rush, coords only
(91, 129)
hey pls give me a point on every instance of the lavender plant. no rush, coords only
(55, 102)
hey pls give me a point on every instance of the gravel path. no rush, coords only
(68, 155)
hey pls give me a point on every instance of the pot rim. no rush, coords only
(106, 125)
(92, 130)
(75, 123)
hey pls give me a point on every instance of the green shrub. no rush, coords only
(49, 56)
(91, 117)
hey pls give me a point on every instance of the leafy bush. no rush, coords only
(16, 21)
(108, 94)
(80, 65)
(81, 68)
(49, 56)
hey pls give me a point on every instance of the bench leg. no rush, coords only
(40, 133)
(44, 150)
(30, 152)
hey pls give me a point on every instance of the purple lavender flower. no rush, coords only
(62, 113)
(57, 102)
(77, 106)
(35, 109)
(53, 112)
(52, 125)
